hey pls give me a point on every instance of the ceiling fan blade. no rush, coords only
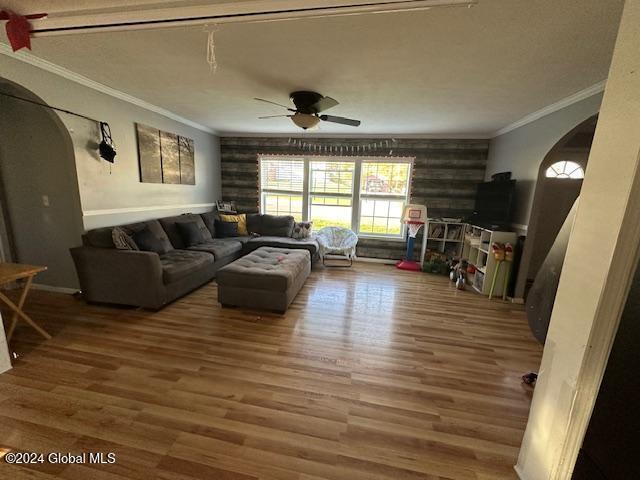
(325, 103)
(274, 103)
(273, 116)
(341, 120)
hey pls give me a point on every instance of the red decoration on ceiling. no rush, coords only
(19, 28)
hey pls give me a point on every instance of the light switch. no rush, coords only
(45, 200)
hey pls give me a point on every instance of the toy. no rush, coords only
(414, 217)
(530, 378)
(502, 253)
(458, 273)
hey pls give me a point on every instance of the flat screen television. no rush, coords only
(494, 204)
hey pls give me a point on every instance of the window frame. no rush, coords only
(310, 193)
(404, 198)
(356, 196)
(564, 175)
(291, 193)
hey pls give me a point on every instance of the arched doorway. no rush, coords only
(557, 187)
(39, 197)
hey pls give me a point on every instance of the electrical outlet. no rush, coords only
(45, 200)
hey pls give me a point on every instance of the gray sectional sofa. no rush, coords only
(150, 280)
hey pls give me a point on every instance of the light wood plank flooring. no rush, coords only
(373, 373)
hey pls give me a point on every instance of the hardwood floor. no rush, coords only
(373, 373)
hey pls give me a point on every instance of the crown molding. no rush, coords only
(554, 107)
(38, 62)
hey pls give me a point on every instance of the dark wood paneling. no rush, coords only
(445, 173)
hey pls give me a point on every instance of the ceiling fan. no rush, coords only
(308, 110)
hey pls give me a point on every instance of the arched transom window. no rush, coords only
(565, 169)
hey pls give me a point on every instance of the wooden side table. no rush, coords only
(11, 272)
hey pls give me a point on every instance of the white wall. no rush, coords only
(597, 272)
(522, 150)
(113, 194)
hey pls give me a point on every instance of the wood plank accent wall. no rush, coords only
(445, 173)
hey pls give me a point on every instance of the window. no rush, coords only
(384, 188)
(331, 193)
(364, 194)
(565, 169)
(281, 186)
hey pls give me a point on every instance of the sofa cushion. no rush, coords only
(254, 223)
(148, 242)
(309, 244)
(190, 233)
(156, 229)
(243, 238)
(174, 235)
(276, 225)
(209, 219)
(272, 269)
(226, 229)
(240, 219)
(219, 247)
(178, 264)
(99, 238)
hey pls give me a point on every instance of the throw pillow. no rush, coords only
(122, 241)
(226, 229)
(147, 241)
(190, 233)
(208, 219)
(240, 219)
(277, 225)
(302, 230)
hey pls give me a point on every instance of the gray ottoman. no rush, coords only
(268, 278)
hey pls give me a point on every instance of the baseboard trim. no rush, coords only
(51, 288)
(384, 261)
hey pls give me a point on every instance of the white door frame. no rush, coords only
(602, 254)
(603, 333)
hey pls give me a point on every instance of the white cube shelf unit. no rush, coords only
(445, 237)
(477, 250)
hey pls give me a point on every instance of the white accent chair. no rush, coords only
(337, 241)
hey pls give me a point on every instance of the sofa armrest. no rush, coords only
(127, 277)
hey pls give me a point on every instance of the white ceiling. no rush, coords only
(443, 71)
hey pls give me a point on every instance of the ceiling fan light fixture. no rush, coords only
(305, 120)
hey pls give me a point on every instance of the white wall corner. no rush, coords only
(554, 107)
(38, 62)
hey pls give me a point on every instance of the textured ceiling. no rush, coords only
(442, 71)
